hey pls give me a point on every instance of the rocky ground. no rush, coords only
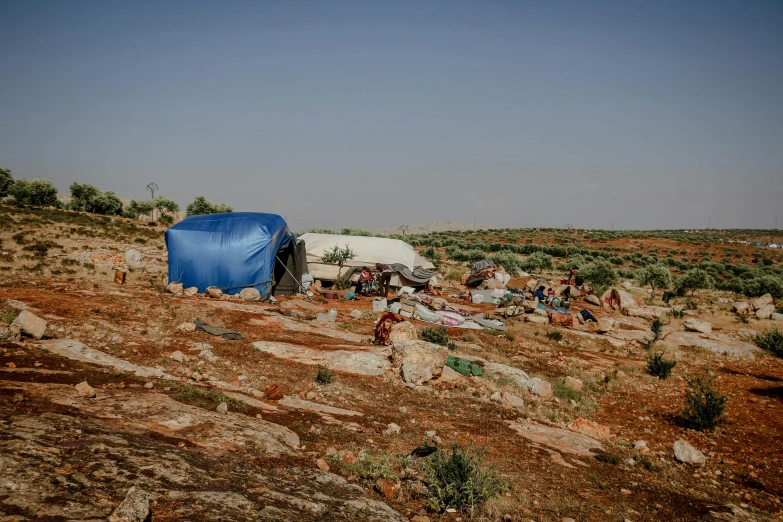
(116, 405)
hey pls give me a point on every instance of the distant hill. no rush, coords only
(435, 226)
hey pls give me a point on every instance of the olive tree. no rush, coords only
(695, 279)
(657, 276)
(6, 180)
(201, 206)
(34, 192)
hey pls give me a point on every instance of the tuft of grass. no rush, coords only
(648, 464)
(324, 375)
(771, 341)
(609, 458)
(7, 315)
(561, 391)
(371, 468)
(555, 335)
(438, 336)
(704, 404)
(658, 366)
(207, 398)
(459, 481)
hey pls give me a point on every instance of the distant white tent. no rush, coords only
(369, 250)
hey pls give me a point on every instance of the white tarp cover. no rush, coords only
(369, 250)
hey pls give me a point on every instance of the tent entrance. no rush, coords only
(290, 265)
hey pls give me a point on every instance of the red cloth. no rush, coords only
(382, 329)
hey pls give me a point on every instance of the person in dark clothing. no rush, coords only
(385, 278)
(571, 275)
(567, 293)
(539, 294)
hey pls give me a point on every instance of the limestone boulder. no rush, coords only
(766, 311)
(175, 288)
(687, 454)
(133, 258)
(30, 324)
(762, 301)
(539, 387)
(250, 294)
(427, 357)
(695, 325)
(214, 292)
(404, 331)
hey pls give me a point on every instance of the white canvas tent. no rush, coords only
(369, 250)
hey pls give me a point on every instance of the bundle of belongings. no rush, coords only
(486, 274)
(464, 366)
(437, 310)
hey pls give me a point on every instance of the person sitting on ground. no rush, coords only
(567, 293)
(364, 277)
(539, 294)
(385, 279)
(550, 295)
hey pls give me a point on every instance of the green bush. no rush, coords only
(458, 480)
(166, 219)
(771, 341)
(6, 180)
(657, 276)
(694, 279)
(599, 273)
(704, 404)
(430, 254)
(658, 366)
(324, 375)
(34, 192)
(438, 336)
(537, 261)
(201, 206)
(508, 260)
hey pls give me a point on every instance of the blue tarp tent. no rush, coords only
(229, 251)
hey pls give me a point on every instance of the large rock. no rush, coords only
(133, 258)
(573, 383)
(214, 292)
(627, 285)
(85, 390)
(590, 428)
(190, 291)
(404, 331)
(776, 317)
(514, 401)
(720, 344)
(537, 386)
(175, 288)
(560, 319)
(450, 375)
(537, 319)
(593, 300)
(741, 307)
(623, 299)
(565, 441)
(686, 453)
(30, 324)
(766, 311)
(10, 334)
(762, 301)
(647, 313)
(250, 294)
(413, 373)
(424, 355)
(135, 507)
(358, 362)
(695, 325)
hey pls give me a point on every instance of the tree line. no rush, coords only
(88, 198)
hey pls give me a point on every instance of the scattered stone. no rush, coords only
(686, 453)
(17, 398)
(512, 400)
(250, 294)
(135, 507)
(149, 385)
(627, 285)
(590, 428)
(539, 387)
(542, 313)
(10, 334)
(766, 311)
(273, 392)
(404, 331)
(209, 356)
(190, 291)
(573, 383)
(762, 301)
(133, 258)
(175, 288)
(85, 390)
(558, 439)
(222, 408)
(625, 491)
(646, 313)
(214, 292)
(496, 397)
(537, 319)
(392, 429)
(356, 314)
(740, 307)
(776, 317)
(30, 324)
(640, 445)
(630, 462)
(322, 465)
(387, 488)
(331, 451)
(11, 365)
(311, 395)
(187, 327)
(179, 356)
(695, 325)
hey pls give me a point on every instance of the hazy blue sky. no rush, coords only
(370, 114)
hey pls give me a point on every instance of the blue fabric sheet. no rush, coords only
(229, 251)
(561, 310)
